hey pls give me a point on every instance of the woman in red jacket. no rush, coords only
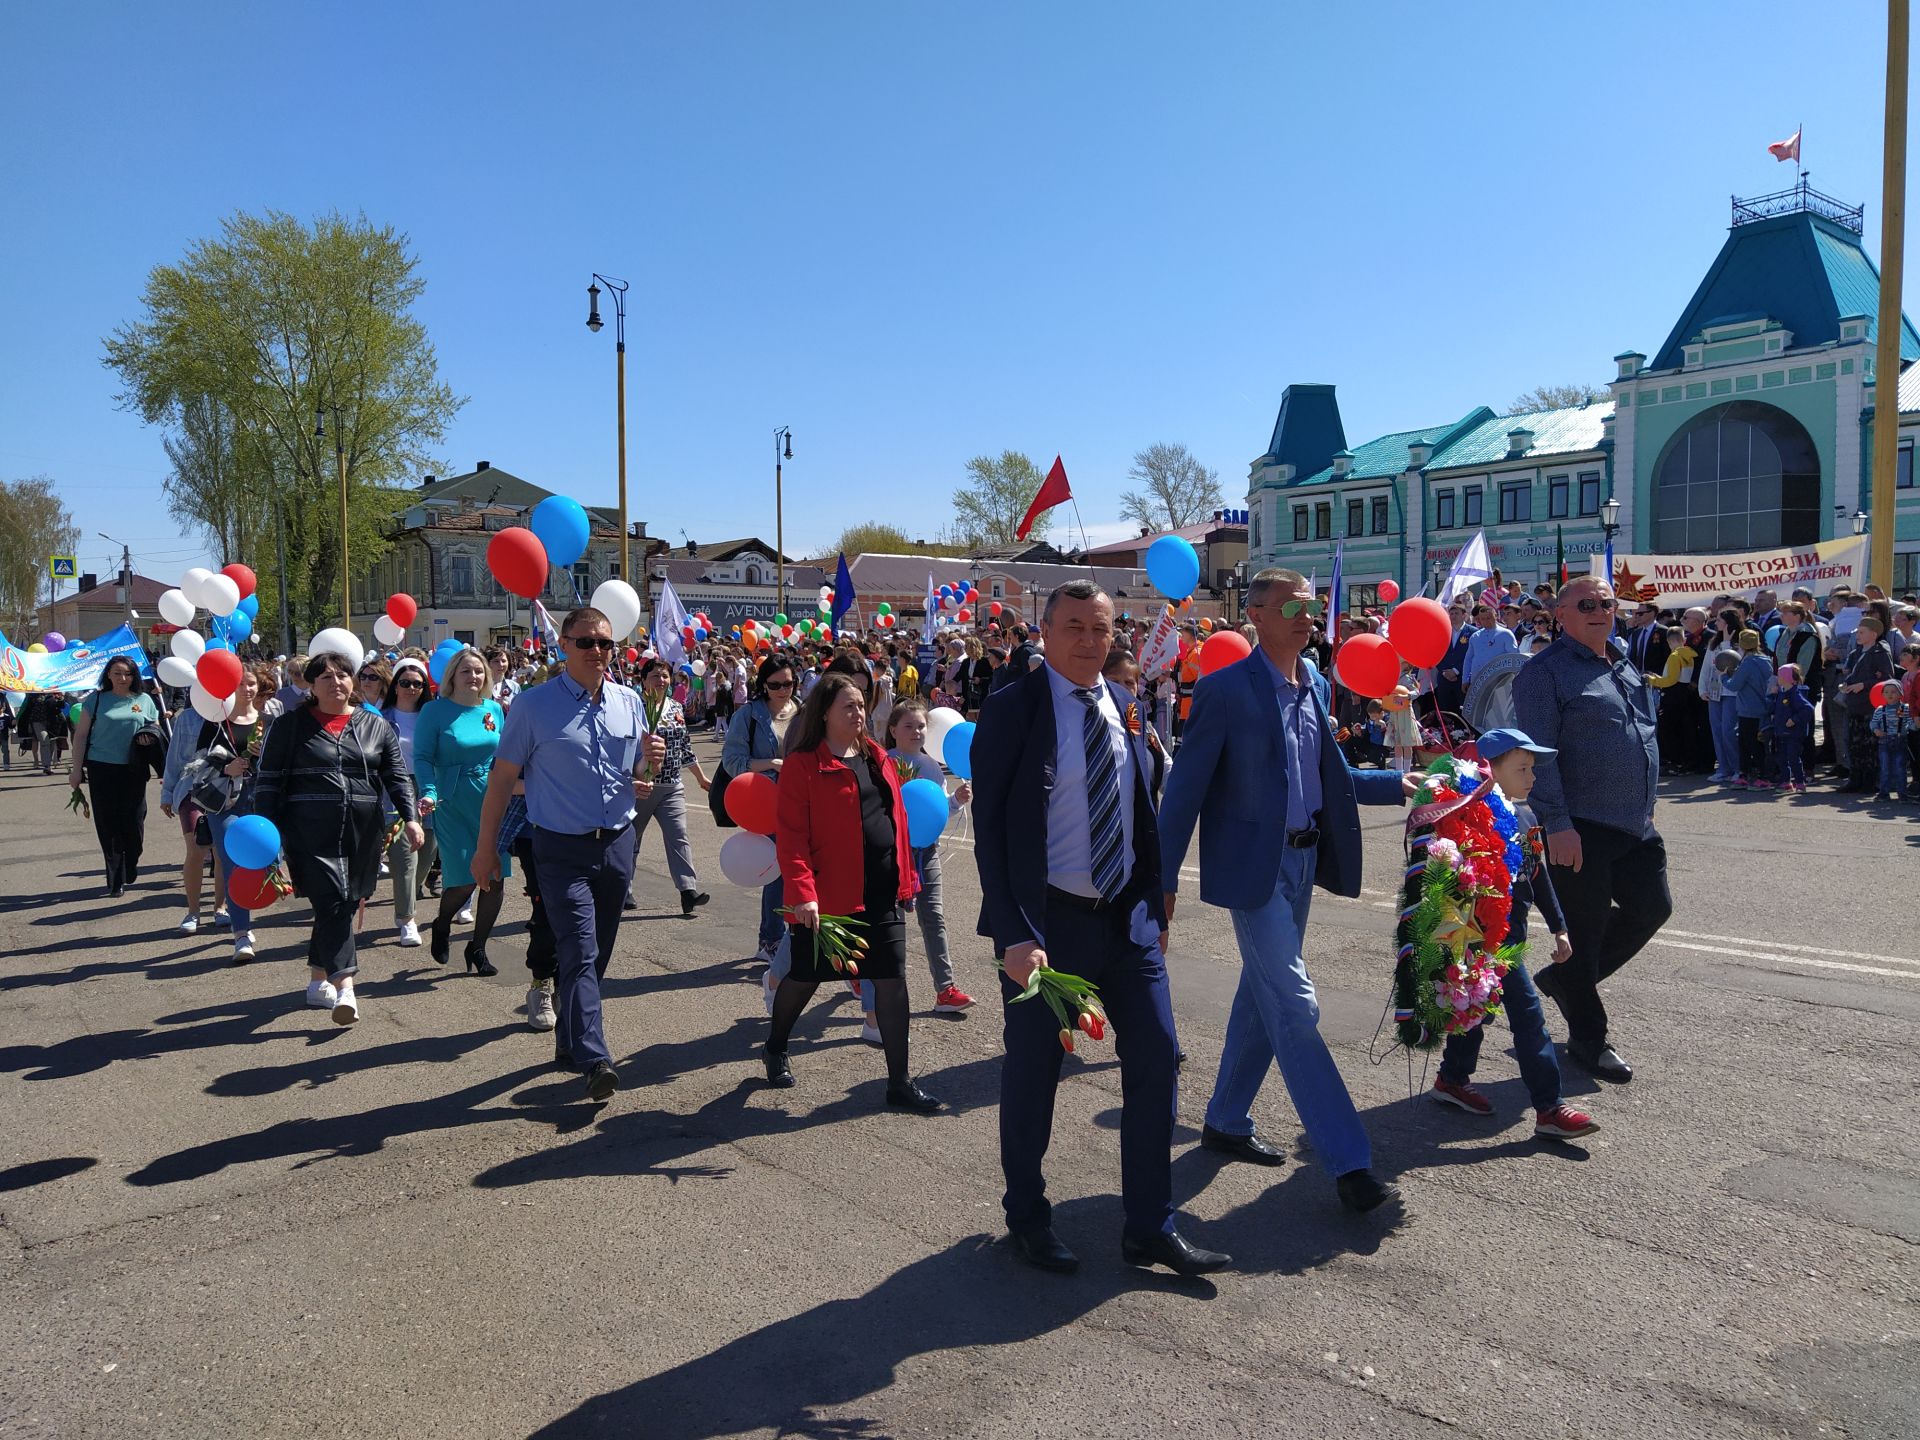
(842, 838)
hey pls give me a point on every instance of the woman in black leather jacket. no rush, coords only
(327, 773)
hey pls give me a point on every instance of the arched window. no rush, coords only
(753, 575)
(1741, 476)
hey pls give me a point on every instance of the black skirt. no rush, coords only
(883, 927)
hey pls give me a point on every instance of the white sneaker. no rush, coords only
(345, 1009)
(385, 872)
(465, 916)
(222, 918)
(321, 995)
(242, 945)
(190, 925)
(870, 1033)
(409, 934)
(540, 1014)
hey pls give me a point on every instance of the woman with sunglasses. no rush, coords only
(406, 696)
(453, 747)
(665, 798)
(105, 760)
(756, 740)
(327, 767)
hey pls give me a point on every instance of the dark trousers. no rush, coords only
(1133, 989)
(582, 882)
(1793, 758)
(540, 950)
(119, 798)
(1863, 752)
(1751, 754)
(1532, 1045)
(330, 947)
(1614, 904)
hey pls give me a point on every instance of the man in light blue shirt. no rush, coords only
(577, 741)
(1069, 826)
(1489, 640)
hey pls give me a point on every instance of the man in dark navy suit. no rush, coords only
(1277, 806)
(1069, 861)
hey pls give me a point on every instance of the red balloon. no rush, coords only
(1886, 692)
(1223, 649)
(249, 889)
(1368, 666)
(1421, 631)
(218, 673)
(994, 609)
(632, 655)
(1389, 591)
(518, 561)
(401, 610)
(963, 615)
(785, 631)
(241, 576)
(753, 802)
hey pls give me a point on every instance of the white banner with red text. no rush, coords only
(1677, 581)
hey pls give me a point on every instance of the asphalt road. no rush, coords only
(220, 1215)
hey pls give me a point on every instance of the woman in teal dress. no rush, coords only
(453, 746)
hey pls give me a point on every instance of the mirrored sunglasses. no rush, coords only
(1293, 608)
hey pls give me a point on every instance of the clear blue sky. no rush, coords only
(914, 232)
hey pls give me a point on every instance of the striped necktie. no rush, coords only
(1103, 796)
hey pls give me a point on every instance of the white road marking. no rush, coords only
(1788, 959)
(1790, 945)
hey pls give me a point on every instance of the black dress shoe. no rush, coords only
(1602, 1062)
(1547, 981)
(1243, 1147)
(907, 1095)
(601, 1083)
(562, 1060)
(1175, 1252)
(691, 900)
(1361, 1191)
(1043, 1250)
(779, 1072)
(440, 941)
(629, 903)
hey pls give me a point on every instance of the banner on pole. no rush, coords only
(1161, 651)
(1677, 581)
(78, 667)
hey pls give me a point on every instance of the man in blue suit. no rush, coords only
(1277, 806)
(1070, 878)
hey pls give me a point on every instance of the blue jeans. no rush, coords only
(1276, 1016)
(582, 882)
(772, 927)
(1724, 721)
(1893, 765)
(242, 917)
(1532, 1046)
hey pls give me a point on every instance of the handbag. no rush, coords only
(722, 777)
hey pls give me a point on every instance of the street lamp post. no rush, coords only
(1233, 585)
(340, 459)
(1859, 522)
(1610, 519)
(782, 449)
(618, 289)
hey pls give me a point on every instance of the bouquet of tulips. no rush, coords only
(839, 942)
(77, 803)
(1073, 999)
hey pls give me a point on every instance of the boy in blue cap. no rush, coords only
(1508, 755)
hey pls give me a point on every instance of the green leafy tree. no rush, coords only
(998, 490)
(262, 328)
(879, 538)
(220, 481)
(1176, 490)
(34, 524)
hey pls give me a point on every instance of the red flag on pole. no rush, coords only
(1788, 149)
(1053, 492)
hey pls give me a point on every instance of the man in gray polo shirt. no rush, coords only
(1584, 697)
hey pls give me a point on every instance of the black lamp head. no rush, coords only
(593, 308)
(789, 454)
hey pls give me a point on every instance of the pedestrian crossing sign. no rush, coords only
(64, 567)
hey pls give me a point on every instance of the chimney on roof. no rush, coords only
(692, 550)
(483, 465)
(1342, 462)
(427, 484)
(89, 581)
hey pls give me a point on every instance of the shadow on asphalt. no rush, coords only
(39, 1172)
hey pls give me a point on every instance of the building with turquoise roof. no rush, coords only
(1750, 429)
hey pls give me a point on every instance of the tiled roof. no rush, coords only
(1856, 285)
(1910, 389)
(1387, 455)
(907, 574)
(145, 592)
(1194, 533)
(684, 572)
(1555, 432)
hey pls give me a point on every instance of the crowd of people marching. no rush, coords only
(1089, 779)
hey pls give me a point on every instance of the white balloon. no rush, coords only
(219, 594)
(337, 641)
(191, 582)
(388, 633)
(188, 645)
(939, 722)
(208, 708)
(699, 667)
(175, 672)
(176, 608)
(749, 860)
(621, 606)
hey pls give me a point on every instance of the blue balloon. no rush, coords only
(241, 627)
(1173, 566)
(250, 607)
(560, 524)
(437, 664)
(218, 642)
(926, 806)
(958, 756)
(252, 842)
(1773, 634)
